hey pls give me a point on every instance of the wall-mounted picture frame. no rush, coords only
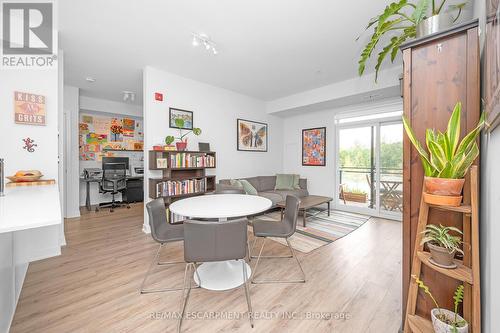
(314, 146)
(186, 115)
(491, 68)
(251, 135)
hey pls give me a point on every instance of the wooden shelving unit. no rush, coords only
(467, 271)
(173, 172)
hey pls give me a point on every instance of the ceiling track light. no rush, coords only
(206, 41)
(128, 96)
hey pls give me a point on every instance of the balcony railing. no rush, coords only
(358, 180)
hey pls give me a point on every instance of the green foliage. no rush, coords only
(179, 122)
(169, 139)
(395, 18)
(447, 157)
(440, 236)
(391, 156)
(458, 298)
(355, 191)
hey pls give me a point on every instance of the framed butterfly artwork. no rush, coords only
(252, 135)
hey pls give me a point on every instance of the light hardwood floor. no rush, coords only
(93, 286)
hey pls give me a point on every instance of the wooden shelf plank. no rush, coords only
(461, 273)
(465, 209)
(419, 324)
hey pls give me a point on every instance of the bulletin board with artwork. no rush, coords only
(101, 135)
(314, 146)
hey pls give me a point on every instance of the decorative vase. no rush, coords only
(441, 256)
(181, 145)
(434, 24)
(442, 327)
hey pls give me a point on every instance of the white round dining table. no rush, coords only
(221, 275)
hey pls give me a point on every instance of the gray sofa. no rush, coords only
(265, 188)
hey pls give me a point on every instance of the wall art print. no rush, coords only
(314, 146)
(251, 135)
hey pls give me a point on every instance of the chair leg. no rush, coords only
(185, 296)
(248, 252)
(153, 263)
(267, 257)
(247, 293)
(254, 281)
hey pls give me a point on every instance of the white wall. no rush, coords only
(40, 82)
(321, 180)
(215, 112)
(72, 182)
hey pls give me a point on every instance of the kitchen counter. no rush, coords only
(27, 207)
(30, 230)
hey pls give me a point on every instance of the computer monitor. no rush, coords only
(124, 160)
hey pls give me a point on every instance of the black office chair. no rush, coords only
(114, 180)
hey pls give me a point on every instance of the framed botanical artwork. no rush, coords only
(185, 115)
(314, 146)
(251, 135)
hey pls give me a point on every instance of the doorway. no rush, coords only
(369, 168)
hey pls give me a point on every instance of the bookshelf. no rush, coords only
(183, 174)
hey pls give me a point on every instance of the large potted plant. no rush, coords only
(442, 244)
(443, 320)
(403, 20)
(448, 159)
(182, 143)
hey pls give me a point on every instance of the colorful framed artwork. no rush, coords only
(251, 135)
(29, 109)
(314, 146)
(185, 115)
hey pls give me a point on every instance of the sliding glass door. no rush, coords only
(370, 167)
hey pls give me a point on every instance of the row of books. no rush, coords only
(177, 187)
(174, 218)
(187, 160)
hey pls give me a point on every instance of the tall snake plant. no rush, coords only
(403, 17)
(448, 157)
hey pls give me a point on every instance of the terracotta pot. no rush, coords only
(441, 255)
(442, 327)
(444, 186)
(442, 200)
(181, 145)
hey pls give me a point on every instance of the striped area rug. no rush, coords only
(320, 229)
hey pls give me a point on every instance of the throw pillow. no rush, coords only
(296, 185)
(284, 182)
(249, 189)
(236, 182)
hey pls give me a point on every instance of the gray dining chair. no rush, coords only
(280, 229)
(209, 242)
(163, 233)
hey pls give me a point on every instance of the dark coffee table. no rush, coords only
(306, 203)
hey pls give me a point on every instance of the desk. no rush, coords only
(221, 275)
(87, 182)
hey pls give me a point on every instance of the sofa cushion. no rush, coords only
(297, 193)
(267, 183)
(254, 181)
(284, 181)
(271, 195)
(249, 189)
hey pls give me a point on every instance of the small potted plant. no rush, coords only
(182, 143)
(442, 244)
(448, 159)
(446, 321)
(355, 195)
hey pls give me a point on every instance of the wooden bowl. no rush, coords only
(23, 179)
(442, 200)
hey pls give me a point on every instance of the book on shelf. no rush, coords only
(188, 160)
(173, 218)
(179, 187)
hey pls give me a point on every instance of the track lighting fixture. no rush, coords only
(206, 41)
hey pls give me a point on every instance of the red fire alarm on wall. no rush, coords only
(158, 96)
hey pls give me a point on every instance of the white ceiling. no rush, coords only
(267, 48)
